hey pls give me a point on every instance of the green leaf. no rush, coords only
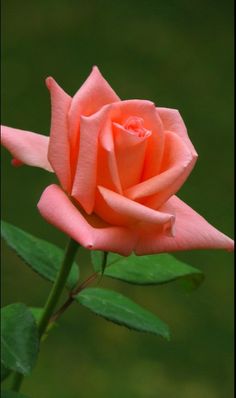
(149, 269)
(104, 262)
(99, 259)
(122, 311)
(12, 394)
(19, 338)
(4, 372)
(36, 312)
(43, 257)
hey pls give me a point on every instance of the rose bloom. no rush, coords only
(119, 165)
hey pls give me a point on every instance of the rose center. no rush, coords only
(134, 125)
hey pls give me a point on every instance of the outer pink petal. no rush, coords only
(84, 184)
(26, 147)
(178, 165)
(135, 211)
(59, 147)
(192, 231)
(173, 121)
(93, 94)
(57, 209)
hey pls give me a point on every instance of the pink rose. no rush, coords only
(119, 165)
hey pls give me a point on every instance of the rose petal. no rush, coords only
(120, 112)
(135, 211)
(108, 173)
(192, 231)
(26, 147)
(173, 121)
(130, 155)
(92, 96)
(84, 184)
(58, 210)
(177, 164)
(59, 146)
(151, 121)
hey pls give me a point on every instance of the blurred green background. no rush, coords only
(178, 54)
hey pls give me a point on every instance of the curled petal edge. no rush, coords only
(192, 232)
(56, 207)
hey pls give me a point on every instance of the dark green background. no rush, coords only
(178, 54)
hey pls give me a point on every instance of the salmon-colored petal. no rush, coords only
(154, 154)
(116, 148)
(151, 121)
(59, 147)
(173, 121)
(192, 231)
(26, 147)
(135, 211)
(177, 164)
(108, 173)
(55, 206)
(130, 155)
(93, 94)
(84, 184)
(123, 110)
(106, 213)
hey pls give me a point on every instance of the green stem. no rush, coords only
(52, 300)
(71, 297)
(17, 381)
(58, 286)
(78, 289)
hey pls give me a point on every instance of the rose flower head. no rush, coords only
(119, 165)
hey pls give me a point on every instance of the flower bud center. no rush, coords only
(134, 125)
